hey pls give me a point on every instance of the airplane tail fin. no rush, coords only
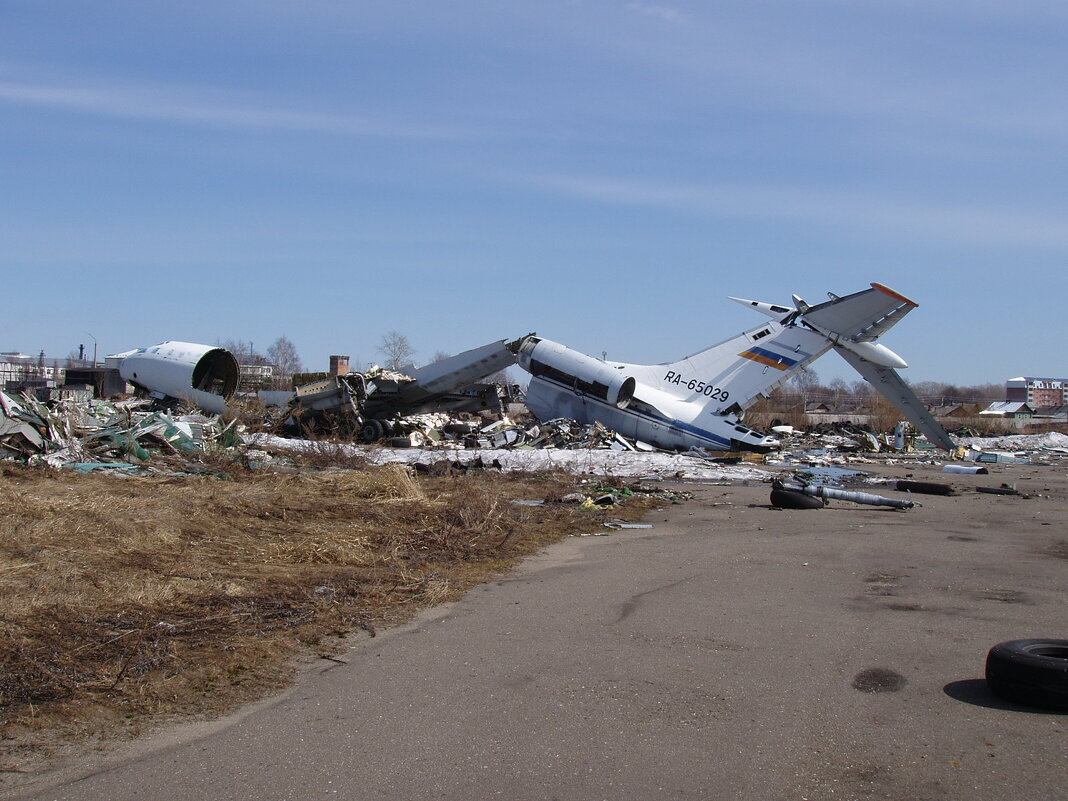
(853, 324)
(754, 362)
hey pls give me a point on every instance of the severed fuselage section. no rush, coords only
(627, 399)
(203, 375)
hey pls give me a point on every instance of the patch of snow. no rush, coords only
(1018, 442)
(599, 462)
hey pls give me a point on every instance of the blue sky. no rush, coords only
(603, 173)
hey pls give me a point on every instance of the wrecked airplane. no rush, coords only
(698, 402)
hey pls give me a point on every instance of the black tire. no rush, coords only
(372, 431)
(1030, 672)
(400, 442)
(792, 499)
(925, 488)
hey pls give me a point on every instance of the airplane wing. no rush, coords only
(461, 370)
(864, 315)
(895, 390)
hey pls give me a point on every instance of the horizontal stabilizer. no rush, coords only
(895, 390)
(772, 310)
(862, 316)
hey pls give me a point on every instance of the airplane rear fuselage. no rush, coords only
(697, 401)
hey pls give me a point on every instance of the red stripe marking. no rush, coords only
(896, 295)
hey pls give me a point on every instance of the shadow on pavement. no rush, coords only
(977, 693)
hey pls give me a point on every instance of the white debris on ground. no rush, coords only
(600, 462)
(1019, 442)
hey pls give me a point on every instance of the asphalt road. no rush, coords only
(714, 656)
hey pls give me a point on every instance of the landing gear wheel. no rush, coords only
(1030, 672)
(372, 431)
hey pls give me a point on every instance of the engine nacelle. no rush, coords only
(583, 374)
(202, 374)
(874, 353)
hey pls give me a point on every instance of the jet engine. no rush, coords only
(582, 374)
(202, 374)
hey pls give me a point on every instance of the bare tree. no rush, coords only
(283, 355)
(397, 350)
(805, 379)
(244, 352)
(840, 389)
(440, 355)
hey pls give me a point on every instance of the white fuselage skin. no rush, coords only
(623, 397)
(171, 369)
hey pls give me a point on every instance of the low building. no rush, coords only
(19, 370)
(1011, 410)
(1051, 414)
(954, 411)
(105, 381)
(255, 377)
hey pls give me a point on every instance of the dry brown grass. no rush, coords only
(131, 599)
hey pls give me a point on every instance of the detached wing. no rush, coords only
(459, 371)
(862, 316)
(890, 385)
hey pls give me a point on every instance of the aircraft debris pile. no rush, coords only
(120, 435)
(440, 430)
(129, 437)
(369, 404)
(1048, 448)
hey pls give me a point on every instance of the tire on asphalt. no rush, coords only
(925, 488)
(1030, 672)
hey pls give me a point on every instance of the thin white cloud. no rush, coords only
(770, 65)
(661, 12)
(842, 209)
(1021, 11)
(154, 104)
